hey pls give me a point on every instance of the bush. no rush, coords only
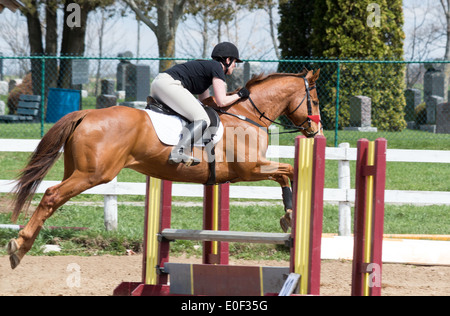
(345, 29)
(420, 114)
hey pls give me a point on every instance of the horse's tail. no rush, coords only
(43, 158)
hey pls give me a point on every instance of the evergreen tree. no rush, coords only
(347, 29)
(294, 30)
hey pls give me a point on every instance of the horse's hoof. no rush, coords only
(14, 260)
(12, 247)
(285, 221)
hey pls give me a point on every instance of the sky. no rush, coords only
(251, 34)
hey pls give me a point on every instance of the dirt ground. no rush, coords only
(99, 275)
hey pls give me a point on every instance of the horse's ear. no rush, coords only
(316, 75)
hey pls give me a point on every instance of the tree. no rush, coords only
(169, 14)
(208, 15)
(294, 30)
(163, 18)
(43, 38)
(422, 37)
(17, 39)
(268, 7)
(348, 29)
(446, 9)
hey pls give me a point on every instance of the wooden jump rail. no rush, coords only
(226, 236)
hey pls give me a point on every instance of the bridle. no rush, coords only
(309, 118)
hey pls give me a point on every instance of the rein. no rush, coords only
(295, 128)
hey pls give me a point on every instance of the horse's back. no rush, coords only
(120, 127)
(119, 119)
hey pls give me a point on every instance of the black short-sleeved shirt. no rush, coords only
(197, 75)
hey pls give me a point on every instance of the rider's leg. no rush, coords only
(172, 93)
(183, 151)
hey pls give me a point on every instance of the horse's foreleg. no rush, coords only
(282, 173)
(285, 220)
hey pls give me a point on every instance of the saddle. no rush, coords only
(210, 132)
(208, 135)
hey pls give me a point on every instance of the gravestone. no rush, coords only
(361, 114)
(107, 86)
(122, 70)
(413, 99)
(105, 101)
(443, 118)
(107, 97)
(431, 106)
(435, 81)
(80, 71)
(435, 89)
(432, 103)
(3, 88)
(137, 86)
(2, 108)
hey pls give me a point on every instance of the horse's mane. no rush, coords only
(262, 77)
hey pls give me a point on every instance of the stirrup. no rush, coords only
(178, 155)
(188, 161)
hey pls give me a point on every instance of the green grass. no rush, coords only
(96, 241)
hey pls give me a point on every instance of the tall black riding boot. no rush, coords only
(182, 153)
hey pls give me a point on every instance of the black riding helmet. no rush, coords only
(224, 50)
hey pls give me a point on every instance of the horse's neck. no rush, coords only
(269, 100)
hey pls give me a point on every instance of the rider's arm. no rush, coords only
(204, 95)
(220, 93)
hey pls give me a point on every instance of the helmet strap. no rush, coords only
(227, 65)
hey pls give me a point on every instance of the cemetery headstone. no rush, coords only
(137, 83)
(107, 86)
(361, 114)
(122, 70)
(413, 99)
(3, 88)
(432, 103)
(443, 118)
(2, 108)
(107, 97)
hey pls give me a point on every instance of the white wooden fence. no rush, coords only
(343, 195)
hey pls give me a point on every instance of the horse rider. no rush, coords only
(177, 85)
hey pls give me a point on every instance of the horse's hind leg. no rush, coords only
(53, 198)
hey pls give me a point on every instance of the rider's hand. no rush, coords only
(244, 93)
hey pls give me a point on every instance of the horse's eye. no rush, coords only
(316, 103)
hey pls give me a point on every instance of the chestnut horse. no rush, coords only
(99, 143)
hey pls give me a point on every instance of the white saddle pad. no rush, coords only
(169, 128)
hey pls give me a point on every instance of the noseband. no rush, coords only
(309, 118)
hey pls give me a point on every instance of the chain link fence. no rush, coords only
(404, 102)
